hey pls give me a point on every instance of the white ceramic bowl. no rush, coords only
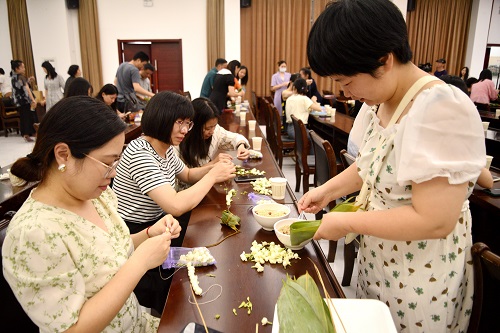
(285, 239)
(267, 222)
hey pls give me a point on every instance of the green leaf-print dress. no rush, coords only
(54, 260)
(427, 284)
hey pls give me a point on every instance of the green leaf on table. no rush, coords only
(229, 219)
(301, 308)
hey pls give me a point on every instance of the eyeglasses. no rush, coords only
(109, 168)
(185, 124)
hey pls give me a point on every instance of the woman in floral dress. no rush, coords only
(421, 153)
(68, 256)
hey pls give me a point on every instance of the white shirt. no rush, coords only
(5, 85)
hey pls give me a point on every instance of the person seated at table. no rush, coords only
(146, 176)
(108, 94)
(415, 170)
(312, 88)
(299, 105)
(202, 143)
(484, 90)
(68, 256)
(79, 87)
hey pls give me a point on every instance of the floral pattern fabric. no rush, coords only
(427, 284)
(55, 260)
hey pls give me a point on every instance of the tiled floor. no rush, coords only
(14, 147)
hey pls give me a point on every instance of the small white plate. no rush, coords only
(358, 316)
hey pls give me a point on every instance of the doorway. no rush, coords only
(165, 55)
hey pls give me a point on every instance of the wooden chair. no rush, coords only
(282, 141)
(484, 316)
(255, 108)
(330, 97)
(186, 94)
(304, 163)
(346, 158)
(326, 168)
(10, 118)
(11, 312)
(268, 119)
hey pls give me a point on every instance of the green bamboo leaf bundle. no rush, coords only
(229, 219)
(301, 231)
(301, 308)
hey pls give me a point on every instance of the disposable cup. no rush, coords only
(237, 109)
(488, 161)
(278, 187)
(497, 113)
(486, 124)
(256, 142)
(251, 125)
(243, 117)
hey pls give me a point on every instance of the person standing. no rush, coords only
(208, 82)
(415, 170)
(24, 99)
(440, 68)
(312, 88)
(224, 86)
(53, 85)
(128, 83)
(74, 71)
(279, 82)
(145, 82)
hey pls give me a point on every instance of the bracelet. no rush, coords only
(147, 231)
(241, 143)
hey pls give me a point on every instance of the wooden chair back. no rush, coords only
(254, 106)
(302, 148)
(326, 162)
(484, 314)
(346, 158)
(10, 118)
(280, 143)
(270, 134)
(11, 312)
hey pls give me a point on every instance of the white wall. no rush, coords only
(494, 34)
(402, 5)
(54, 36)
(478, 36)
(5, 50)
(167, 19)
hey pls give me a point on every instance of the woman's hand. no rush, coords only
(223, 171)
(243, 152)
(165, 224)
(331, 227)
(313, 201)
(153, 251)
(223, 157)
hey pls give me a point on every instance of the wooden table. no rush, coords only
(237, 278)
(133, 131)
(12, 197)
(492, 142)
(334, 129)
(491, 118)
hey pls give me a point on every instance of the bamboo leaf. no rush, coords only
(346, 206)
(301, 231)
(229, 219)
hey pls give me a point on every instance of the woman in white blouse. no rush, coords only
(205, 139)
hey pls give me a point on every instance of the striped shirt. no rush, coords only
(141, 170)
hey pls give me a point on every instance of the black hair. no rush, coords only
(307, 71)
(107, 89)
(161, 113)
(470, 81)
(15, 64)
(281, 62)
(466, 76)
(51, 71)
(427, 67)
(141, 55)
(72, 70)
(232, 66)
(244, 80)
(455, 81)
(2, 71)
(485, 75)
(79, 87)
(294, 77)
(82, 122)
(353, 36)
(194, 147)
(301, 86)
(149, 66)
(220, 61)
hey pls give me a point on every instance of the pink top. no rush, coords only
(483, 92)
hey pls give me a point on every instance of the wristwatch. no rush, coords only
(242, 143)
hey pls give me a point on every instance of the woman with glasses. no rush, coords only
(207, 137)
(146, 176)
(68, 256)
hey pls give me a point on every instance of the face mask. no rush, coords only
(282, 69)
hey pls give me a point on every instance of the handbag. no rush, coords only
(131, 102)
(364, 194)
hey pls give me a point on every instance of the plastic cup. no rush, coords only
(237, 109)
(257, 143)
(278, 187)
(243, 117)
(488, 161)
(486, 124)
(251, 125)
(497, 113)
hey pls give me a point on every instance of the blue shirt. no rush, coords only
(208, 83)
